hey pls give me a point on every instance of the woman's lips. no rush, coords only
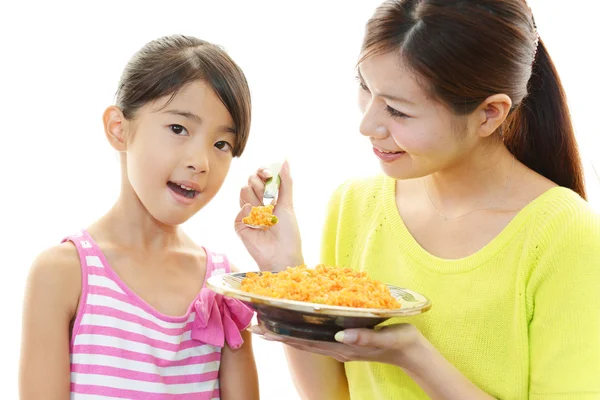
(386, 156)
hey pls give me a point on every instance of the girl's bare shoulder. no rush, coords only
(55, 276)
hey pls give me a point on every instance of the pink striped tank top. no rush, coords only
(122, 348)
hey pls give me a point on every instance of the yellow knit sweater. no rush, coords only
(520, 318)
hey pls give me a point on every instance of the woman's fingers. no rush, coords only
(248, 196)
(264, 174)
(239, 224)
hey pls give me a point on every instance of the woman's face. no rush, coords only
(412, 134)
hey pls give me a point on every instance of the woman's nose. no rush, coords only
(372, 123)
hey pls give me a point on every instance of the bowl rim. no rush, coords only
(219, 284)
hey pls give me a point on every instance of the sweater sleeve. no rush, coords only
(564, 296)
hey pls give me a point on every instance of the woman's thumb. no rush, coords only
(244, 211)
(387, 337)
(285, 198)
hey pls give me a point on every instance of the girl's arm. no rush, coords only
(238, 378)
(51, 298)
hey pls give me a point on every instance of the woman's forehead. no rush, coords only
(388, 76)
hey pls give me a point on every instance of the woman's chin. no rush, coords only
(399, 172)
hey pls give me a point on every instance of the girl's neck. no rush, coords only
(129, 224)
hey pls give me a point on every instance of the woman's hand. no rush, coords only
(401, 345)
(279, 246)
(393, 344)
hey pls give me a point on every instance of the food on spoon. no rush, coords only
(324, 285)
(261, 216)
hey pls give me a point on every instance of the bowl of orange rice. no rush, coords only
(316, 303)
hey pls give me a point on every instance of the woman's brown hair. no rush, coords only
(468, 50)
(163, 66)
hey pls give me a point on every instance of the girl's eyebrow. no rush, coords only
(185, 114)
(197, 119)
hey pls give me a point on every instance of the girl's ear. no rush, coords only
(115, 126)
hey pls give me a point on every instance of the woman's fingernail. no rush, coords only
(345, 337)
(268, 173)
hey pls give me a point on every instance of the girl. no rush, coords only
(481, 207)
(120, 310)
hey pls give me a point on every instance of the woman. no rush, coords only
(481, 207)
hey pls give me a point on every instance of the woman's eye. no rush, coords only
(178, 130)
(223, 145)
(362, 85)
(395, 113)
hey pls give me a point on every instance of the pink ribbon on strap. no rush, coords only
(220, 319)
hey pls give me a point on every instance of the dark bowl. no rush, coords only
(314, 321)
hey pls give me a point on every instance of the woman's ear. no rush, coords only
(115, 127)
(491, 113)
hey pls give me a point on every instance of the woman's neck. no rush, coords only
(480, 181)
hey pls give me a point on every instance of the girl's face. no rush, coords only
(178, 153)
(412, 134)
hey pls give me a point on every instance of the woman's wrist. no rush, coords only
(438, 378)
(279, 265)
(411, 357)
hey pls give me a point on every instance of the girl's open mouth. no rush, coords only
(182, 190)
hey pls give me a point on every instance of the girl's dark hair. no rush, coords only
(163, 66)
(468, 50)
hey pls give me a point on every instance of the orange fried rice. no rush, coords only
(324, 285)
(261, 216)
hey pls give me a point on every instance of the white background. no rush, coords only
(60, 64)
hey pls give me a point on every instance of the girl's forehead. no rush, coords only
(195, 92)
(196, 102)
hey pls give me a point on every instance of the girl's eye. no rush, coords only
(178, 130)
(395, 113)
(223, 145)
